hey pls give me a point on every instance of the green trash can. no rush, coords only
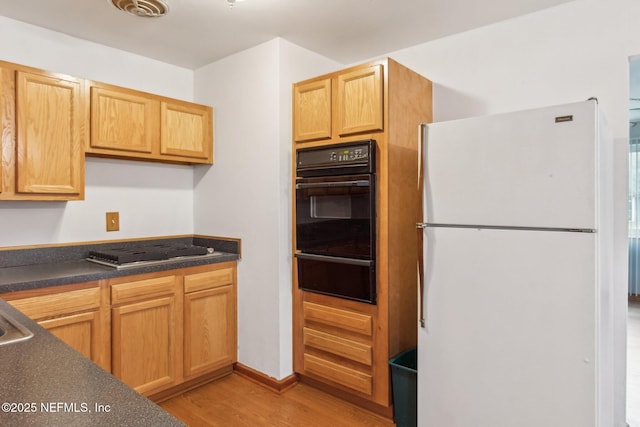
(404, 383)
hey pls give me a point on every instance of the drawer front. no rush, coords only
(45, 306)
(142, 289)
(343, 319)
(208, 280)
(338, 346)
(339, 374)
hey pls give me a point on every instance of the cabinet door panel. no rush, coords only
(144, 344)
(78, 331)
(49, 156)
(312, 110)
(360, 107)
(186, 130)
(210, 330)
(123, 121)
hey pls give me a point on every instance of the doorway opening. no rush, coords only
(633, 317)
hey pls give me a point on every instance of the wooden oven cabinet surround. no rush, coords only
(341, 345)
(160, 333)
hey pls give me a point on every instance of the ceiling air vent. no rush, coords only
(142, 8)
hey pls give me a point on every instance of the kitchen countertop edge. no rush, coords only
(36, 276)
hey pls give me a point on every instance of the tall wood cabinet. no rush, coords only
(43, 134)
(345, 345)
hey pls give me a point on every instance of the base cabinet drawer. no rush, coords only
(349, 349)
(340, 374)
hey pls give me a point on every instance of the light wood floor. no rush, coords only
(237, 402)
(633, 365)
(234, 401)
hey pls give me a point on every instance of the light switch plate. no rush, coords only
(113, 221)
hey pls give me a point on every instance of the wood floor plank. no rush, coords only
(238, 402)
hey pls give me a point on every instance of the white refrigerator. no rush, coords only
(516, 301)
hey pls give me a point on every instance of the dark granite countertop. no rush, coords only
(60, 387)
(37, 268)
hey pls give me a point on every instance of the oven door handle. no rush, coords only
(339, 260)
(358, 183)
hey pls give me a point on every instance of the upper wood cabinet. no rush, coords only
(43, 133)
(123, 121)
(137, 125)
(312, 110)
(186, 131)
(359, 101)
(344, 103)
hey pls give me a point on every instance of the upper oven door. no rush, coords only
(335, 216)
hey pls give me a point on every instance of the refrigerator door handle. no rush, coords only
(422, 130)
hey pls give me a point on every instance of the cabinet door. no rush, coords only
(312, 110)
(145, 349)
(186, 131)
(49, 154)
(123, 121)
(209, 330)
(359, 101)
(78, 331)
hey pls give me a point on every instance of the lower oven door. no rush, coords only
(349, 278)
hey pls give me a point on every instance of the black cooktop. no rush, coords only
(147, 253)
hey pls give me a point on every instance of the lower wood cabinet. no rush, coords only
(153, 331)
(210, 321)
(146, 325)
(79, 317)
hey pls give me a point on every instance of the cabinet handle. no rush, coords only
(422, 129)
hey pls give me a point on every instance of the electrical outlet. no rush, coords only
(113, 221)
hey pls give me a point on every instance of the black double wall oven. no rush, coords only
(336, 220)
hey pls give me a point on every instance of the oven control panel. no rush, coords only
(350, 154)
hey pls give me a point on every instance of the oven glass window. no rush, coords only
(330, 207)
(336, 218)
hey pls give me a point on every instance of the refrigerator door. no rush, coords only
(510, 329)
(533, 168)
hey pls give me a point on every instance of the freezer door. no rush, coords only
(534, 168)
(510, 329)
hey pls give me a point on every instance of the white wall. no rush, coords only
(152, 199)
(247, 193)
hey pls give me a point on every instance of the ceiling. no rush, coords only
(197, 32)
